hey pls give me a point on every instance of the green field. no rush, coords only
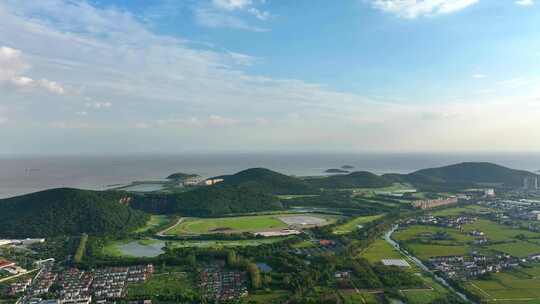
(351, 225)
(519, 249)
(470, 209)
(380, 249)
(508, 287)
(238, 224)
(424, 252)
(154, 222)
(425, 232)
(498, 232)
(170, 286)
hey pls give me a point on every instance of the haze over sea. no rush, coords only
(20, 175)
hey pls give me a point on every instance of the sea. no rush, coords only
(25, 174)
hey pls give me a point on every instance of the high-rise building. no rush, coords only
(530, 183)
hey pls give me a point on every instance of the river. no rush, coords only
(388, 238)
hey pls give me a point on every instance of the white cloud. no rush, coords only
(81, 113)
(525, 2)
(12, 66)
(479, 76)
(232, 4)
(98, 105)
(204, 98)
(52, 86)
(411, 9)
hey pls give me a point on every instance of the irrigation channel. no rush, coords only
(388, 238)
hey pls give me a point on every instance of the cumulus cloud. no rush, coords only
(205, 98)
(411, 9)
(525, 2)
(12, 66)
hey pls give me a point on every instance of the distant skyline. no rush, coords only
(170, 76)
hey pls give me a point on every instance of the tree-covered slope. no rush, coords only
(361, 179)
(470, 173)
(267, 181)
(66, 211)
(209, 201)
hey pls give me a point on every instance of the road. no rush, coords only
(17, 275)
(162, 232)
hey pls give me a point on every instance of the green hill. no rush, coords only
(267, 181)
(209, 201)
(66, 211)
(360, 179)
(469, 173)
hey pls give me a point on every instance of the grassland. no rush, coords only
(379, 250)
(352, 225)
(172, 286)
(238, 224)
(154, 222)
(353, 297)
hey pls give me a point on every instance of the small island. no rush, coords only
(181, 176)
(336, 171)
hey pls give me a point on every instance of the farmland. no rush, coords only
(240, 224)
(508, 287)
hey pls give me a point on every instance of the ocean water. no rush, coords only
(20, 175)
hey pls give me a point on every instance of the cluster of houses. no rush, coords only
(434, 203)
(459, 267)
(223, 285)
(79, 286)
(456, 222)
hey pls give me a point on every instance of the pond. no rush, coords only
(140, 249)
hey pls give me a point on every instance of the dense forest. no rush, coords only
(267, 181)
(209, 201)
(66, 211)
(359, 179)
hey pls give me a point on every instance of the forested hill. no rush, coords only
(209, 201)
(361, 179)
(469, 173)
(267, 181)
(66, 211)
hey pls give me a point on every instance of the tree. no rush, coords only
(255, 275)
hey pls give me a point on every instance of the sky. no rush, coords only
(174, 76)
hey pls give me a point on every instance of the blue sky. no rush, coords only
(268, 75)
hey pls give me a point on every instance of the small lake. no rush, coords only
(138, 250)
